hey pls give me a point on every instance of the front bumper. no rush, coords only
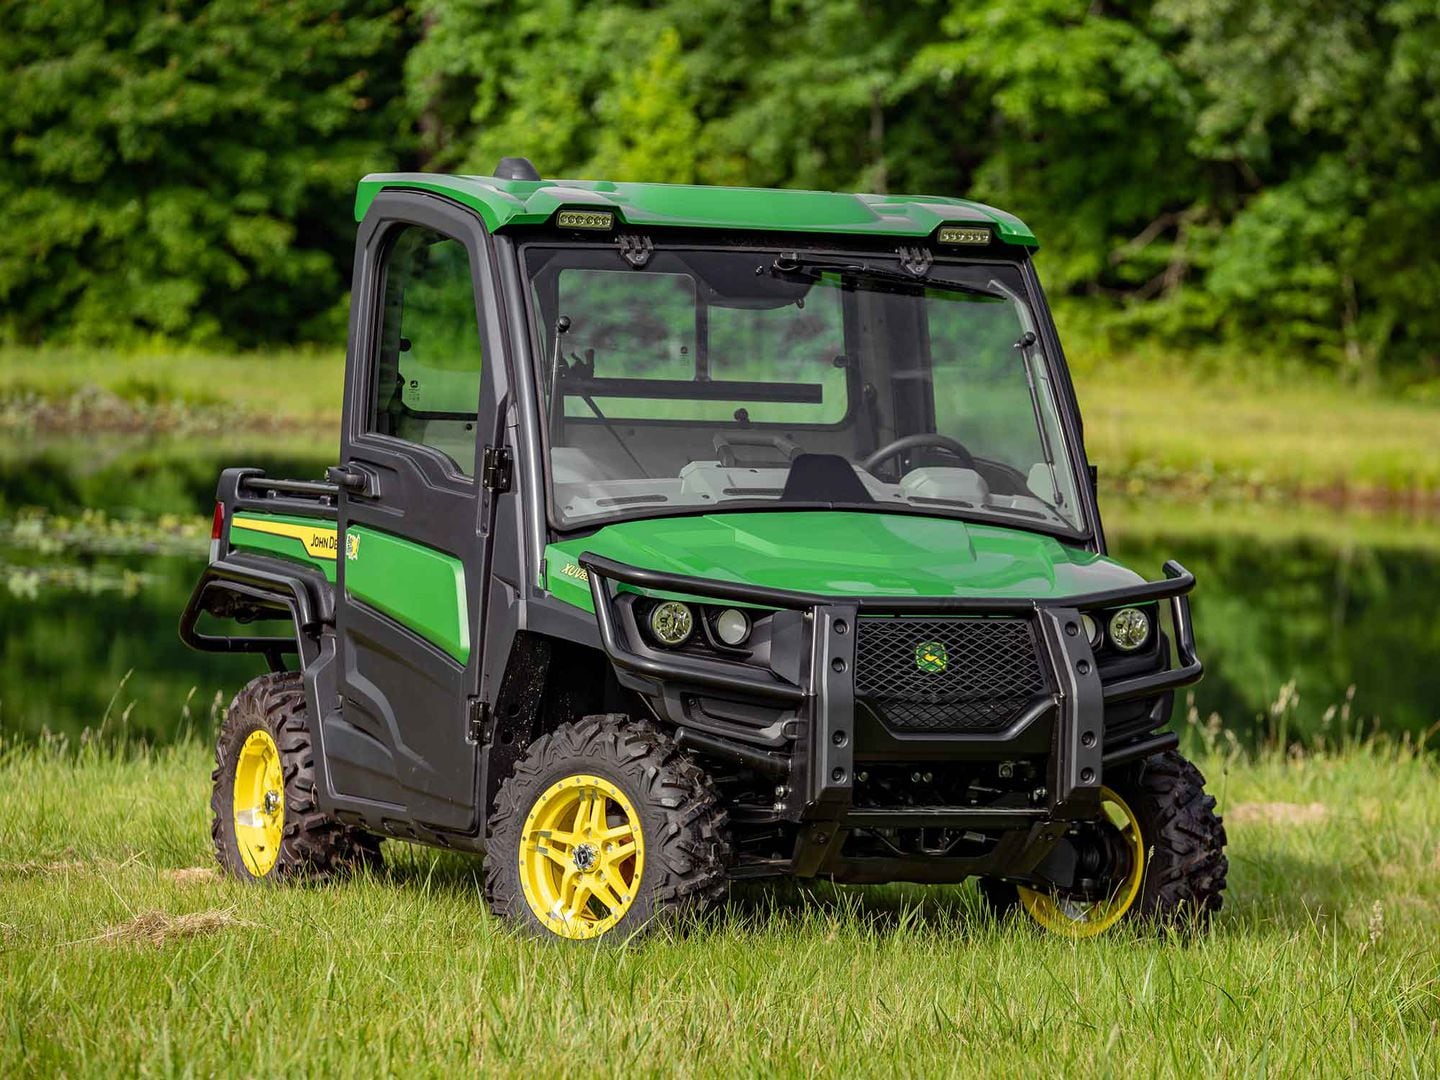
(811, 746)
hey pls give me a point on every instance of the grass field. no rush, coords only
(1149, 426)
(298, 385)
(122, 952)
(1151, 421)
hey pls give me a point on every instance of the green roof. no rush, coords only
(529, 202)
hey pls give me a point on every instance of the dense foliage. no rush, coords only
(184, 169)
(1265, 171)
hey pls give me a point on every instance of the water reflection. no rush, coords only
(1324, 616)
(1316, 599)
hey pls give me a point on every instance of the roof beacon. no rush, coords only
(516, 168)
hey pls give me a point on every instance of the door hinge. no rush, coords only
(498, 470)
(479, 716)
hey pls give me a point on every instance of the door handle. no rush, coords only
(352, 480)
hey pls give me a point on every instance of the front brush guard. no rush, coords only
(825, 692)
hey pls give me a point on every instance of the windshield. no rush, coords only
(725, 379)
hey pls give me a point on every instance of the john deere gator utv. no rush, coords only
(685, 535)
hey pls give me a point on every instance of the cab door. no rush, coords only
(412, 566)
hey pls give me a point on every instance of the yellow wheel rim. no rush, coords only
(259, 802)
(582, 856)
(1081, 919)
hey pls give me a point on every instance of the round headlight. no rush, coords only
(672, 622)
(732, 626)
(1092, 630)
(1129, 629)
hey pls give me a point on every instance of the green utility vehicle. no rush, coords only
(687, 535)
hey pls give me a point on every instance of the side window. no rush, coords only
(427, 373)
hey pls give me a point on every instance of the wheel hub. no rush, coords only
(1103, 861)
(584, 858)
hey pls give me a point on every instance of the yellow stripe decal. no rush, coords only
(319, 542)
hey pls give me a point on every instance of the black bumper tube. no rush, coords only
(825, 691)
(605, 573)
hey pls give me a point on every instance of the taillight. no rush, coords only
(217, 523)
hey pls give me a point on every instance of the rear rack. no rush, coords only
(251, 489)
(293, 594)
(259, 484)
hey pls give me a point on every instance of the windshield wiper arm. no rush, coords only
(587, 366)
(792, 265)
(1026, 345)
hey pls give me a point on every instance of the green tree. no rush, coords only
(1266, 171)
(796, 92)
(649, 126)
(1084, 134)
(1331, 109)
(497, 79)
(186, 169)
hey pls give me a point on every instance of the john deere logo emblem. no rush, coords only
(930, 656)
(352, 546)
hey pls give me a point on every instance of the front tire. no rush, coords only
(265, 821)
(1169, 849)
(605, 829)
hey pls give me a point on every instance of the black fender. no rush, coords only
(249, 587)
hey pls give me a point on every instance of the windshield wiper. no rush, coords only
(792, 265)
(586, 370)
(1026, 344)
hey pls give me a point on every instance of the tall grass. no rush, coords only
(121, 951)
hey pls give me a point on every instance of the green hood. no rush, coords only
(843, 554)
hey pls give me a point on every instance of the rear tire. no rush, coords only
(548, 867)
(268, 725)
(1184, 841)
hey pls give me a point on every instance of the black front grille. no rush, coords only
(947, 675)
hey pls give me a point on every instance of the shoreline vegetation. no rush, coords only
(1181, 427)
(1334, 887)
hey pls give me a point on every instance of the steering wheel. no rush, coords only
(915, 442)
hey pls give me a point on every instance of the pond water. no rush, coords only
(1312, 605)
(1331, 614)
